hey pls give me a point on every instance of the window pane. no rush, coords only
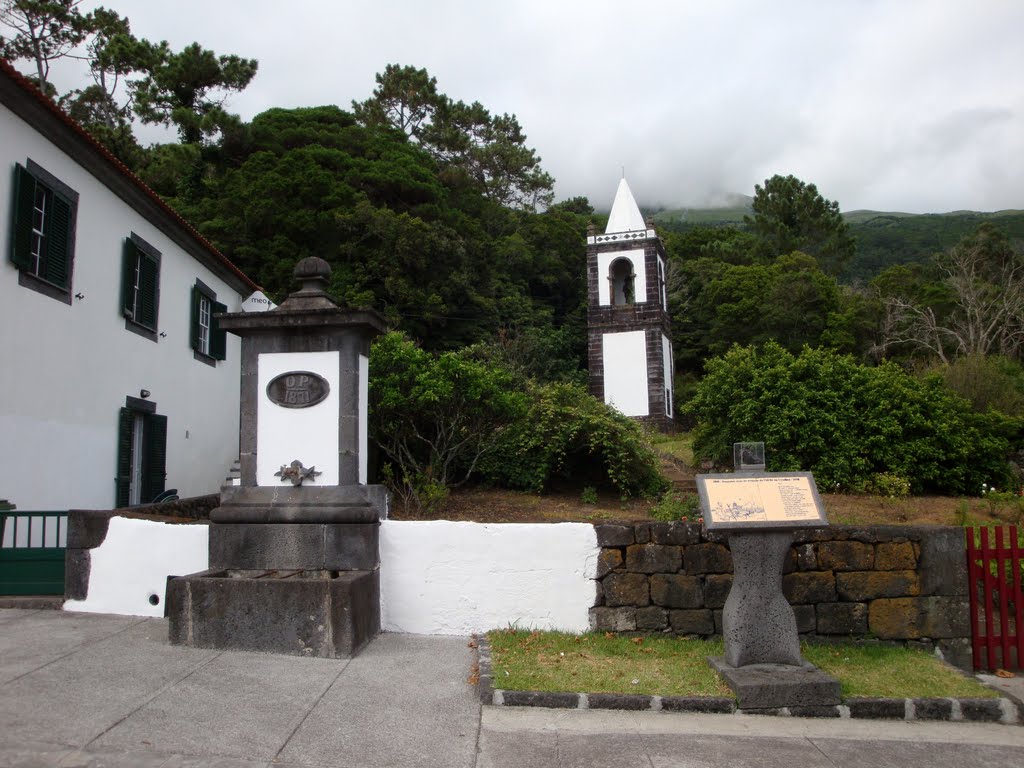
(38, 229)
(204, 325)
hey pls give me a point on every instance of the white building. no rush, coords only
(116, 381)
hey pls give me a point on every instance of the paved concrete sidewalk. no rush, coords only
(90, 690)
(515, 737)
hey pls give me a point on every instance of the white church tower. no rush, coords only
(629, 333)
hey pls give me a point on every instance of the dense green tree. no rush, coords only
(491, 152)
(846, 422)
(716, 305)
(436, 417)
(989, 382)
(473, 147)
(104, 108)
(405, 98)
(731, 245)
(567, 433)
(99, 114)
(42, 31)
(186, 89)
(974, 305)
(443, 263)
(790, 215)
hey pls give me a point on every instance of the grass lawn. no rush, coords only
(673, 666)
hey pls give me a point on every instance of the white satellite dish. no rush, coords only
(258, 302)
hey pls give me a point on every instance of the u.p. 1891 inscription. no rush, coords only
(762, 500)
(298, 389)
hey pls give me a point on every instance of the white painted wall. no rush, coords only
(437, 578)
(604, 261)
(663, 283)
(669, 369)
(134, 561)
(67, 369)
(625, 372)
(444, 578)
(307, 434)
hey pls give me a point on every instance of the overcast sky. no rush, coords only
(911, 105)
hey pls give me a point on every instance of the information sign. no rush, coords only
(763, 500)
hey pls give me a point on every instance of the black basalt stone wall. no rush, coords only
(899, 584)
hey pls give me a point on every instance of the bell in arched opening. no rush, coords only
(622, 279)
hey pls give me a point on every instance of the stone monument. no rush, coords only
(294, 547)
(759, 511)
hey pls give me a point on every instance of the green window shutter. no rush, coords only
(218, 338)
(58, 242)
(197, 297)
(149, 291)
(24, 203)
(124, 458)
(154, 460)
(129, 254)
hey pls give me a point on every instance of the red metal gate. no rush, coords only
(994, 573)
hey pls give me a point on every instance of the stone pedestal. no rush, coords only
(294, 563)
(758, 624)
(762, 663)
(292, 570)
(773, 686)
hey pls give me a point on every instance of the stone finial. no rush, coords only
(591, 229)
(312, 268)
(649, 221)
(313, 273)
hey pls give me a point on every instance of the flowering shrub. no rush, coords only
(1008, 505)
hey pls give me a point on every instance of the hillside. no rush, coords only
(884, 238)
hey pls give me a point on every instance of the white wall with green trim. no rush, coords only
(66, 369)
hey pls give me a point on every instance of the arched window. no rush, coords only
(621, 277)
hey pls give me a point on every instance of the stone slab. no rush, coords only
(300, 546)
(240, 705)
(916, 754)
(305, 614)
(297, 504)
(767, 686)
(30, 643)
(74, 699)
(404, 701)
(618, 701)
(716, 751)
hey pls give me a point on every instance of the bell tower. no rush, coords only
(629, 333)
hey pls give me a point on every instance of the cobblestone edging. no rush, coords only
(1001, 710)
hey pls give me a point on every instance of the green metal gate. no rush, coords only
(32, 548)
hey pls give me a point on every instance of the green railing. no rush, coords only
(32, 548)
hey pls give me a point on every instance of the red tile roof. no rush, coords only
(33, 92)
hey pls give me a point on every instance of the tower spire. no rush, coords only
(625, 215)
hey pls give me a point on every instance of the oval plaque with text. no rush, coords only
(298, 389)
